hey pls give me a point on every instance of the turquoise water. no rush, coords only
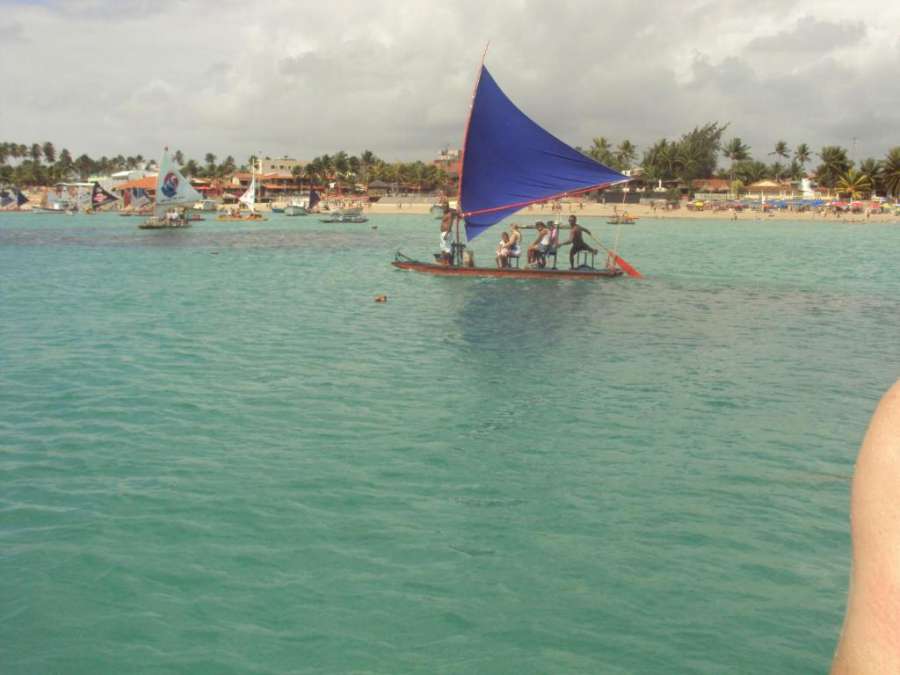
(219, 455)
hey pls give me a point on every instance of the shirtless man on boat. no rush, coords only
(576, 239)
(447, 221)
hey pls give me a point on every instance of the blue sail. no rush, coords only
(510, 162)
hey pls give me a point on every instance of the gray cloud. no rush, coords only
(12, 32)
(304, 78)
(810, 35)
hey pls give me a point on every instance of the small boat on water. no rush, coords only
(346, 210)
(295, 208)
(174, 195)
(240, 216)
(206, 205)
(509, 162)
(345, 218)
(249, 200)
(622, 219)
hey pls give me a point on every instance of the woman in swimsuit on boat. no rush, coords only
(539, 247)
(515, 237)
(503, 251)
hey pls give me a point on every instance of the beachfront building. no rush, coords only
(770, 189)
(448, 161)
(280, 165)
(270, 186)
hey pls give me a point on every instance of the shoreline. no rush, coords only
(645, 212)
(529, 215)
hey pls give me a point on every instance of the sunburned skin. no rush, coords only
(870, 639)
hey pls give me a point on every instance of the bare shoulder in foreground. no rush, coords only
(870, 639)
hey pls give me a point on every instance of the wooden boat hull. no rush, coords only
(162, 226)
(345, 219)
(506, 272)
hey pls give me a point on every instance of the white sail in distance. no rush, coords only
(249, 197)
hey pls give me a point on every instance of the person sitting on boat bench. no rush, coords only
(503, 251)
(537, 250)
(576, 239)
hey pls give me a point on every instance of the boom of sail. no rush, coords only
(510, 162)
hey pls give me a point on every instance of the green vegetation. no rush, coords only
(694, 155)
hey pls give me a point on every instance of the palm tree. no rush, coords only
(871, 167)
(781, 150)
(625, 154)
(312, 172)
(191, 168)
(64, 163)
(179, 157)
(854, 184)
(834, 165)
(84, 165)
(210, 164)
(802, 154)
(341, 165)
(601, 150)
(736, 151)
(657, 161)
(297, 172)
(750, 171)
(890, 172)
(36, 153)
(49, 152)
(777, 169)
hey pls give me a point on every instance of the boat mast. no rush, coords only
(462, 157)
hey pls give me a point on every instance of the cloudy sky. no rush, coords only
(304, 78)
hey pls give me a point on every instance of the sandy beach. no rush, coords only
(645, 212)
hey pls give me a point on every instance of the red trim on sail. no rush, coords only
(465, 147)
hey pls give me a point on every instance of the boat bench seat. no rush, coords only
(550, 253)
(581, 259)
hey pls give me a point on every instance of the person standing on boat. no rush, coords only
(447, 235)
(576, 239)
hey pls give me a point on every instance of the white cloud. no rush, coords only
(305, 78)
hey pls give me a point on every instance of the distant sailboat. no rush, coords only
(174, 194)
(510, 162)
(248, 199)
(12, 199)
(101, 197)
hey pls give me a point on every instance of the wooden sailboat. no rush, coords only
(174, 195)
(508, 163)
(249, 200)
